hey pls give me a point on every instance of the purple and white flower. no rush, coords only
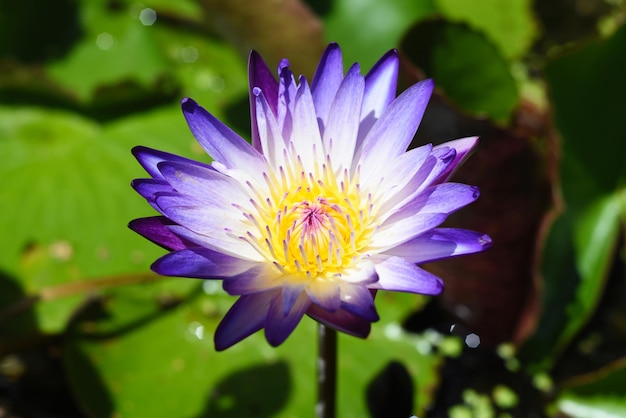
(322, 210)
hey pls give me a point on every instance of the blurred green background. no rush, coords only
(534, 327)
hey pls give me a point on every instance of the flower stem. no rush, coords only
(326, 372)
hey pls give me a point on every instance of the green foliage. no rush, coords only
(120, 50)
(600, 395)
(509, 25)
(132, 349)
(70, 186)
(480, 82)
(581, 246)
(491, 90)
(83, 82)
(367, 29)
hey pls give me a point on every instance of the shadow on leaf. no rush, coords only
(16, 314)
(390, 393)
(87, 384)
(259, 391)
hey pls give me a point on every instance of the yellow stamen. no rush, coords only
(313, 224)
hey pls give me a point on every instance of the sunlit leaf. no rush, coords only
(175, 349)
(601, 394)
(581, 244)
(466, 65)
(68, 201)
(367, 29)
(170, 8)
(277, 30)
(119, 50)
(509, 25)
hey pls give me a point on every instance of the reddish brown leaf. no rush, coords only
(276, 29)
(495, 293)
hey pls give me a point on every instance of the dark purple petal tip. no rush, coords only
(342, 321)
(283, 64)
(189, 105)
(156, 230)
(485, 241)
(448, 156)
(476, 191)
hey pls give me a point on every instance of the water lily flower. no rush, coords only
(322, 210)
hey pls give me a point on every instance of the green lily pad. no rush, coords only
(581, 244)
(509, 25)
(117, 48)
(68, 199)
(466, 65)
(367, 29)
(67, 179)
(601, 394)
(168, 366)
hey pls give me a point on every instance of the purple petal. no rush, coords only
(358, 300)
(325, 294)
(431, 168)
(344, 119)
(201, 263)
(306, 140)
(278, 325)
(443, 198)
(397, 274)
(326, 82)
(441, 243)
(341, 320)
(151, 188)
(398, 232)
(391, 134)
(362, 273)
(463, 148)
(270, 136)
(291, 293)
(219, 240)
(219, 141)
(260, 278)
(259, 75)
(208, 226)
(411, 203)
(156, 230)
(149, 159)
(244, 318)
(204, 184)
(198, 216)
(444, 157)
(380, 90)
(286, 99)
(396, 177)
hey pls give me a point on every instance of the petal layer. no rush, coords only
(156, 229)
(391, 134)
(219, 141)
(150, 158)
(243, 319)
(278, 324)
(200, 263)
(397, 274)
(441, 243)
(340, 134)
(341, 320)
(260, 76)
(380, 90)
(463, 148)
(326, 82)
